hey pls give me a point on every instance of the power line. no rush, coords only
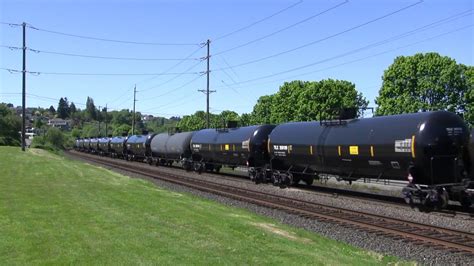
(173, 78)
(169, 69)
(125, 93)
(353, 61)
(109, 40)
(173, 90)
(258, 21)
(173, 67)
(10, 24)
(11, 47)
(173, 103)
(109, 57)
(96, 74)
(283, 29)
(325, 38)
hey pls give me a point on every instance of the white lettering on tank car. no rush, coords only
(245, 144)
(454, 131)
(403, 145)
(280, 147)
(196, 147)
(375, 163)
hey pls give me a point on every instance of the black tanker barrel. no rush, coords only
(234, 146)
(117, 145)
(94, 144)
(158, 145)
(77, 144)
(104, 145)
(201, 144)
(172, 147)
(136, 145)
(178, 145)
(85, 144)
(425, 144)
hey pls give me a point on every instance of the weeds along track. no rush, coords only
(420, 234)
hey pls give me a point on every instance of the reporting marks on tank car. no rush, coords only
(196, 147)
(281, 150)
(403, 145)
(454, 131)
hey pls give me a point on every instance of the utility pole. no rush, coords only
(98, 118)
(106, 133)
(207, 91)
(23, 93)
(134, 100)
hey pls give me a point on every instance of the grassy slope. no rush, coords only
(54, 210)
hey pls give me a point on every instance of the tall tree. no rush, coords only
(425, 82)
(91, 111)
(63, 108)
(51, 110)
(72, 108)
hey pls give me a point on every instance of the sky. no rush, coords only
(103, 49)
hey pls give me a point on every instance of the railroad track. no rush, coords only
(420, 234)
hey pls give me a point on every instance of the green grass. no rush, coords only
(57, 211)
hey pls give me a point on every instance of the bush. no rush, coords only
(53, 140)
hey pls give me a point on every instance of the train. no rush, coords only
(432, 151)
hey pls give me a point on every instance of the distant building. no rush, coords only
(147, 118)
(59, 123)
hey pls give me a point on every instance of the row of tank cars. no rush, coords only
(431, 150)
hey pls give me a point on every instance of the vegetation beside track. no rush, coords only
(55, 210)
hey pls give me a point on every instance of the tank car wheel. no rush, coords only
(197, 168)
(286, 180)
(308, 180)
(465, 202)
(295, 180)
(275, 178)
(187, 166)
(443, 199)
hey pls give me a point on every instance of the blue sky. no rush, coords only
(255, 47)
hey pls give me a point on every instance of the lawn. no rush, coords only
(55, 210)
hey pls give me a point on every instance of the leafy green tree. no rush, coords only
(52, 111)
(469, 96)
(10, 125)
(63, 108)
(262, 110)
(324, 99)
(197, 120)
(245, 120)
(121, 117)
(91, 111)
(122, 129)
(53, 140)
(38, 123)
(425, 82)
(307, 101)
(76, 133)
(72, 108)
(193, 122)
